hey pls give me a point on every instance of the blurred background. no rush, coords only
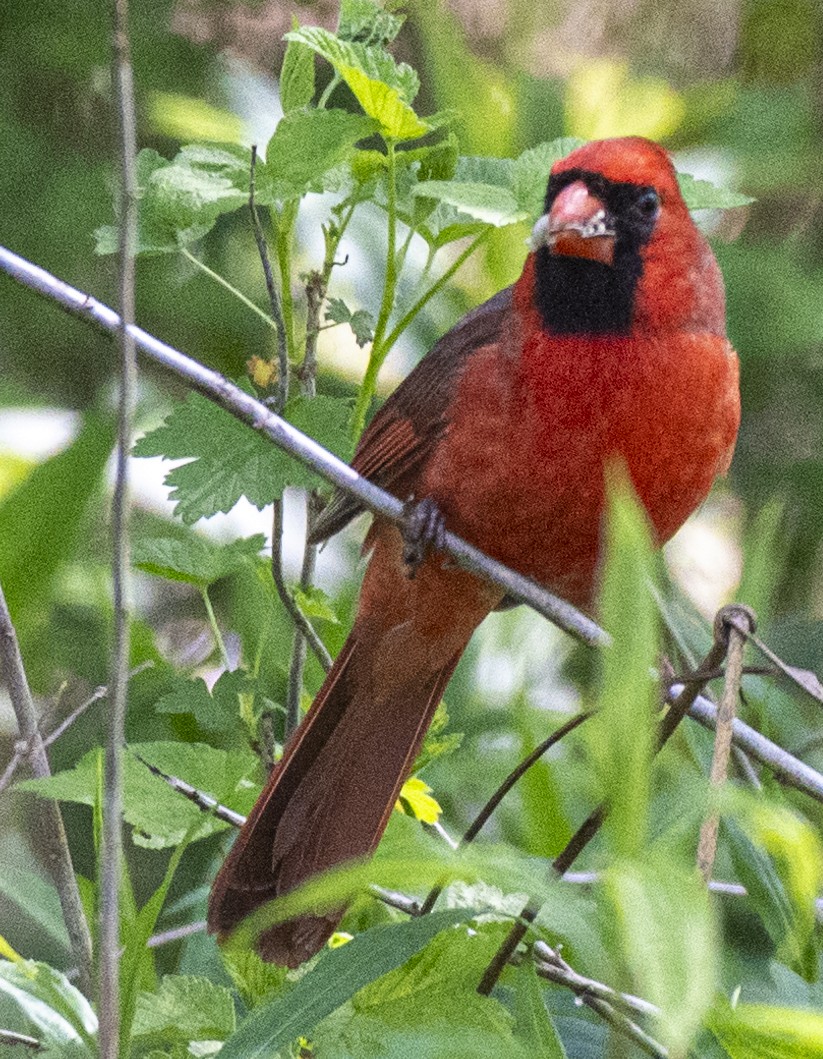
(733, 87)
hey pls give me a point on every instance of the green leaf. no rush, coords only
(530, 172)
(181, 200)
(253, 978)
(185, 1008)
(661, 921)
(196, 560)
(703, 195)
(306, 146)
(338, 975)
(159, 815)
(361, 321)
(383, 88)
(42, 519)
(621, 736)
(296, 77)
(215, 711)
(229, 460)
(61, 1016)
(367, 22)
(484, 202)
(757, 1031)
(315, 603)
(533, 1027)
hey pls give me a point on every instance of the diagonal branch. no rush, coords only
(50, 833)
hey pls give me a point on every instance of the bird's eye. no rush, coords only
(648, 204)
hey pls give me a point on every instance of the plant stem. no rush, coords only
(298, 655)
(379, 348)
(327, 91)
(284, 233)
(215, 628)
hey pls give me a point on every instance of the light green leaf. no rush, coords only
(253, 978)
(315, 603)
(306, 146)
(338, 975)
(662, 925)
(533, 1027)
(383, 88)
(757, 1031)
(485, 202)
(296, 77)
(621, 736)
(367, 22)
(530, 173)
(228, 460)
(185, 1008)
(703, 195)
(215, 711)
(196, 560)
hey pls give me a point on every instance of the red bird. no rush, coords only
(611, 344)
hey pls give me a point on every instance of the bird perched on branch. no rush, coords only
(612, 344)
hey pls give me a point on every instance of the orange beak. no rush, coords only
(577, 225)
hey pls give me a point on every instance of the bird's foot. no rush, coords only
(423, 527)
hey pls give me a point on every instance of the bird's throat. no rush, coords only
(577, 296)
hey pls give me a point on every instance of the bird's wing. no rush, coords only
(398, 441)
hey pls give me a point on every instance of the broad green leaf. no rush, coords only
(195, 560)
(533, 1027)
(41, 521)
(368, 22)
(438, 742)
(315, 603)
(181, 200)
(484, 202)
(621, 736)
(757, 1031)
(216, 710)
(185, 1008)
(190, 118)
(159, 815)
(253, 978)
(296, 77)
(338, 975)
(306, 145)
(703, 195)
(530, 173)
(61, 1016)
(383, 88)
(661, 923)
(229, 460)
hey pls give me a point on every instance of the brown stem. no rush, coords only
(298, 654)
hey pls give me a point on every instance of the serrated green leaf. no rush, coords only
(338, 975)
(185, 1008)
(621, 735)
(315, 603)
(757, 1031)
(384, 88)
(367, 22)
(215, 711)
(160, 816)
(296, 77)
(61, 1016)
(361, 321)
(228, 460)
(180, 201)
(530, 173)
(533, 1027)
(306, 146)
(703, 195)
(196, 560)
(485, 202)
(253, 978)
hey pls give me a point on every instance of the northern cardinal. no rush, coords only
(612, 344)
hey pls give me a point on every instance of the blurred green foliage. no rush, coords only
(734, 87)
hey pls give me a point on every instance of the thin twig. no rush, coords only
(546, 955)
(112, 838)
(202, 801)
(298, 651)
(50, 832)
(167, 937)
(514, 776)
(274, 297)
(729, 619)
(286, 598)
(9, 1037)
(23, 747)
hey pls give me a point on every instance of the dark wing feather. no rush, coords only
(399, 439)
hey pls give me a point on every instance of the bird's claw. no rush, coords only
(423, 527)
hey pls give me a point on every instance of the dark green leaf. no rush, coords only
(530, 173)
(306, 146)
(196, 560)
(533, 1028)
(228, 460)
(185, 1008)
(339, 974)
(215, 711)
